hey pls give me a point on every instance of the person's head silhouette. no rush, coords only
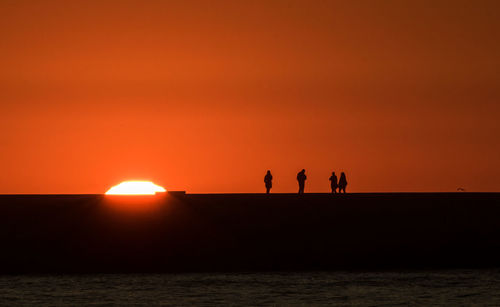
(303, 171)
(268, 172)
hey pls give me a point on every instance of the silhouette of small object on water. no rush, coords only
(333, 183)
(301, 178)
(342, 182)
(460, 190)
(268, 180)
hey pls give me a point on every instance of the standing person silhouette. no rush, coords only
(301, 178)
(342, 182)
(268, 180)
(333, 183)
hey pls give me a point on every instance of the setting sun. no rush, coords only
(135, 188)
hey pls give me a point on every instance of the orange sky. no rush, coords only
(205, 96)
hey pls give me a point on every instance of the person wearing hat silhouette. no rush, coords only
(301, 178)
(268, 180)
(333, 183)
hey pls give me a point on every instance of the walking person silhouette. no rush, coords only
(342, 182)
(268, 180)
(333, 183)
(301, 178)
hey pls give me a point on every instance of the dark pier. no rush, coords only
(248, 232)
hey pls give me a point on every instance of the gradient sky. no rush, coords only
(205, 96)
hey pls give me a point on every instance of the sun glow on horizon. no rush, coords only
(135, 188)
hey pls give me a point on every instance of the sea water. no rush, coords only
(447, 288)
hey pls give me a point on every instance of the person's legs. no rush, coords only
(267, 190)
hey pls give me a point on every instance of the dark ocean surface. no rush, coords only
(446, 288)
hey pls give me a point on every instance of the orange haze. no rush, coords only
(205, 96)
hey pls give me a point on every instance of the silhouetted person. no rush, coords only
(268, 180)
(301, 178)
(342, 182)
(333, 182)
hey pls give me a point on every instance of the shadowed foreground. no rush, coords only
(245, 232)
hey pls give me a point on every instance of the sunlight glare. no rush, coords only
(135, 188)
